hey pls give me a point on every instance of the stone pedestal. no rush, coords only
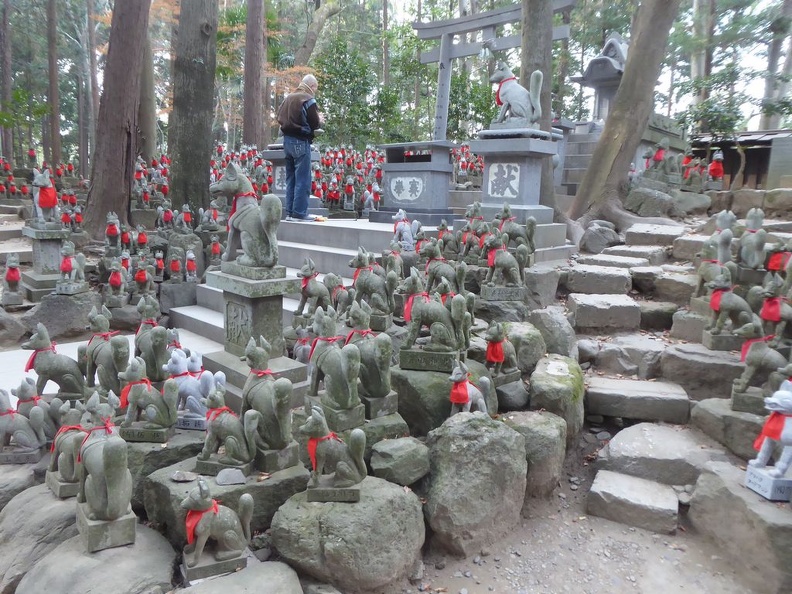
(380, 323)
(191, 423)
(774, 489)
(213, 466)
(98, 535)
(337, 419)
(275, 460)
(419, 182)
(208, 566)
(324, 492)
(700, 306)
(420, 360)
(751, 401)
(60, 488)
(46, 244)
(116, 301)
(721, 342)
(12, 455)
(380, 407)
(65, 287)
(12, 299)
(505, 378)
(512, 173)
(138, 432)
(277, 156)
(749, 276)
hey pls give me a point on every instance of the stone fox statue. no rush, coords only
(251, 226)
(777, 429)
(330, 455)
(515, 100)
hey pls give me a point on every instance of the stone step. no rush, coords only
(10, 209)
(573, 175)
(593, 313)
(577, 161)
(20, 246)
(643, 234)
(554, 254)
(655, 254)
(701, 372)
(200, 320)
(327, 259)
(338, 233)
(733, 429)
(598, 280)
(627, 354)
(639, 400)
(688, 325)
(614, 261)
(687, 246)
(675, 287)
(671, 455)
(11, 231)
(210, 297)
(634, 501)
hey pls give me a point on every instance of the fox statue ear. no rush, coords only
(231, 172)
(203, 489)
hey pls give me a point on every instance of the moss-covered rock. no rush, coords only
(557, 387)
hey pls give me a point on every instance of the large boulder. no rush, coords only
(541, 284)
(146, 566)
(778, 202)
(558, 333)
(650, 203)
(734, 429)
(597, 237)
(557, 387)
(476, 485)
(691, 202)
(14, 479)
(65, 316)
(271, 577)
(31, 525)
(529, 345)
(545, 450)
(402, 461)
(356, 547)
(501, 311)
(753, 533)
(423, 396)
(11, 329)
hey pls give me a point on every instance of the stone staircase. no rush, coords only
(580, 148)
(11, 240)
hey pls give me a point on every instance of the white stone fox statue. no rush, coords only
(777, 428)
(515, 100)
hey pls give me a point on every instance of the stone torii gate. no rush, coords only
(448, 50)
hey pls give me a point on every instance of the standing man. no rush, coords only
(298, 117)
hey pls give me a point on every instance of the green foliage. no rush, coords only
(471, 107)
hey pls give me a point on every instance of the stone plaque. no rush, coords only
(380, 407)
(420, 360)
(503, 181)
(489, 293)
(193, 424)
(774, 489)
(274, 460)
(322, 494)
(138, 433)
(98, 535)
(10, 455)
(279, 178)
(207, 566)
(407, 188)
(237, 322)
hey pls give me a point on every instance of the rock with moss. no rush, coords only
(557, 332)
(424, 396)
(476, 483)
(557, 387)
(402, 461)
(545, 450)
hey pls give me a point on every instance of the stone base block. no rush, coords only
(420, 360)
(60, 488)
(774, 489)
(721, 342)
(12, 299)
(337, 419)
(631, 399)
(11, 455)
(505, 378)
(191, 423)
(380, 407)
(381, 323)
(212, 466)
(323, 494)
(634, 501)
(177, 295)
(687, 326)
(68, 288)
(749, 276)
(598, 280)
(253, 273)
(751, 401)
(116, 301)
(647, 234)
(599, 312)
(98, 535)
(208, 566)
(490, 293)
(700, 306)
(274, 460)
(398, 309)
(139, 433)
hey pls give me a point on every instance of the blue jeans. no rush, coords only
(298, 175)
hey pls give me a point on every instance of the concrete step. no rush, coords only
(560, 253)
(634, 501)
(609, 313)
(210, 298)
(655, 254)
(635, 399)
(199, 320)
(338, 233)
(598, 279)
(615, 261)
(643, 234)
(20, 246)
(327, 259)
(671, 455)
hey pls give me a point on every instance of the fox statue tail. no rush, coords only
(535, 92)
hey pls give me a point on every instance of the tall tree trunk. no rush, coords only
(563, 65)
(46, 145)
(5, 78)
(116, 134)
(267, 132)
(417, 87)
(193, 100)
(53, 96)
(320, 16)
(147, 112)
(774, 121)
(94, 109)
(83, 91)
(385, 48)
(537, 54)
(253, 113)
(603, 185)
(779, 27)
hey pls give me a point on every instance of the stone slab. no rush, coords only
(275, 460)
(687, 326)
(666, 454)
(700, 306)
(642, 400)
(420, 360)
(653, 254)
(657, 315)
(61, 489)
(502, 379)
(589, 279)
(380, 323)
(749, 276)
(496, 293)
(646, 234)
(380, 407)
(721, 342)
(687, 246)
(701, 372)
(759, 481)
(613, 260)
(207, 566)
(735, 430)
(98, 535)
(69, 288)
(675, 287)
(324, 494)
(138, 433)
(634, 501)
(190, 424)
(237, 371)
(10, 455)
(252, 272)
(337, 419)
(750, 401)
(604, 312)
(212, 466)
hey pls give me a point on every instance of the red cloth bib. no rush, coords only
(66, 265)
(459, 392)
(771, 310)
(215, 249)
(213, 413)
(495, 352)
(12, 275)
(115, 279)
(747, 345)
(313, 442)
(194, 516)
(715, 299)
(778, 261)
(141, 276)
(498, 100)
(48, 198)
(409, 304)
(772, 429)
(111, 230)
(125, 391)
